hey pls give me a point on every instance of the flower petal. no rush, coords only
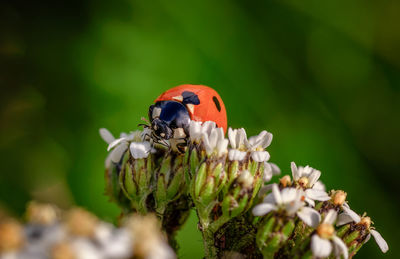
(354, 216)
(343, 219)
(106, 135)
(232, 137)
(310, 202)
(295, 174)
(275, 169)
(260, 156)
(118, 152)
(263, 209)
(269, 199)
(309, 216)
(289, 194)
(140, 150)
(276, 193)
(222, 146)
(264, 190)
(320, 247)
(115, 143)
(319, 186)
(313, 177)
(236, 155)
(317, 195)
(380, 241)
(340, 247)
(330, 217)
(267, 172)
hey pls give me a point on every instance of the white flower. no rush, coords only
(215, 142)
(290, 201)
(256, 145)
(238, 141)
(84, 249)
(325, 240)
(197, 129)
(307, 178)
(140, 149)
(260, 142)
(348, 216)
(236, 155)
(119, 146)
(118, 245)
(237, 138)
(270, 169)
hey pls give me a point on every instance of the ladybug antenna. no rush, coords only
(145, 120)
(145, 125)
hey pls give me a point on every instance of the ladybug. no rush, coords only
(172, 111)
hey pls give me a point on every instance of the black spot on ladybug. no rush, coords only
(190, 98)
(215, 99)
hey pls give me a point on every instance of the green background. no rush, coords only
(322, 76)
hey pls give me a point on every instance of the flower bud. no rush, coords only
(44, 214)
(80, 222)
(11, 236)
(338, 197)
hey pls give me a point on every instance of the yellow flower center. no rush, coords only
(325, 230)
(303, 181)
(366, 221)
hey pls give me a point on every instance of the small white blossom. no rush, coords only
(197, 129)
(255, 145)
(236, 155)
(134, 140)
(258, 144)
(307, 178)
(140, 149)
(348, 216)
(215, 142)
(238, 142)
(290, 201)
(237, 138)
(325, 240)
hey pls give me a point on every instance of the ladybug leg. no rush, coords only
(181, 147)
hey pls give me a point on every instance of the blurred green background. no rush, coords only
(322, 76)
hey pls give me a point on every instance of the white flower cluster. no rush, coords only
(138, 146)
(237, 147)
(80, 235)
(307, 187)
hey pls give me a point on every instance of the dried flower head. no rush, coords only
(11, 235)
(41, 213)
(80, 222)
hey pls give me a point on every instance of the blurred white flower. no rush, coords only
(325, 240)
(289, 201)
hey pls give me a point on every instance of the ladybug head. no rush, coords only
(161, 129)
(168, 120)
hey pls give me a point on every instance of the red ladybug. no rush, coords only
(171, 114)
